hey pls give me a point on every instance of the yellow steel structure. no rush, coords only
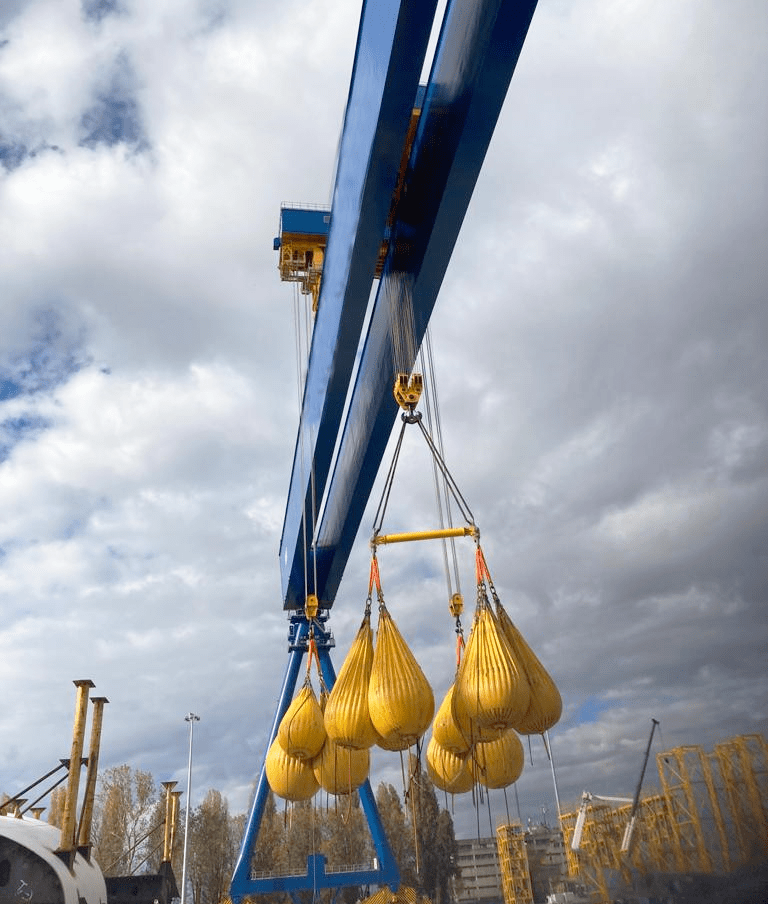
(699, 836)
(442, 534)
(598, 862)
(743, 764)
(301, 261)
(711, 817)
(513, 861)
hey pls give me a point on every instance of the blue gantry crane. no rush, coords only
(409, 158)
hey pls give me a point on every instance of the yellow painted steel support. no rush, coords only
(443, 534)
(743, 764)
(174, 817)
(724, 859)
(712, 816)
(86, 814)
(513, 863)
(679, 770)
(67, 845)
(168, 827)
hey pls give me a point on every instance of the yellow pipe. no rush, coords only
(167, 835)
(174, 817)
(67, 845)
(86, 814)
(426, 535)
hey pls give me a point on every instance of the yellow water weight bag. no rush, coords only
(341, 770)
(447, 771)
(347, 720)
(490, 691)
(545, 705)
(498, 763)
(445, 729)
(302, 729)
(400, 699)
(288, 776)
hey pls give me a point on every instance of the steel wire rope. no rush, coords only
(302, 325)
(308, 328)
(450, 482)
(300, 381)
(432, 405)
(401, 321)
(428, 406)
(302, 320)
(388, 481)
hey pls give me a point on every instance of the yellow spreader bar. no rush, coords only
(426, 535)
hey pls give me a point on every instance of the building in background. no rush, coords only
(479, 878)
(520, 866)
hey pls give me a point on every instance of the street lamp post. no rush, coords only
(191, 718)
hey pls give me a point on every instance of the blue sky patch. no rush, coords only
(8, 389)
(14, 430)
(12, 154)
(115, 116)
(53, 355)
(96, 10)
(592, 708)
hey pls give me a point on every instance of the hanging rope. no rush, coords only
(442, 496)
(398, 291)
(443, 468)
(302, 325)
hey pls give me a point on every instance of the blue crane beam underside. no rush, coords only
(477, 52)
(391, 47)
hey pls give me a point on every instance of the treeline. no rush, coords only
(129, 827)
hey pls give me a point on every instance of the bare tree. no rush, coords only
(398, 831)
(348, 841)
(126, 801)
(212, 849)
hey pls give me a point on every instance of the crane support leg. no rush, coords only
(385, 871)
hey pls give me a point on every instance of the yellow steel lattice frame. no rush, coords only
(712, 816)
(598, 852)
(743, 763)
(513, 860)
(686, 780)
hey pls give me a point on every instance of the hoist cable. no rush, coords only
(297, 334)
(302, 321)
(441, 447)
(308, 326)
(401, 321)
(442, 495)
(428, 405)
(382, 507)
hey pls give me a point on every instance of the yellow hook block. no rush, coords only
(311, 606)
(407, 391)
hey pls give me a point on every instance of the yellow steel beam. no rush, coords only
(443, 534)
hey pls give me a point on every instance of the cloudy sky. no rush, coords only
(600, 343)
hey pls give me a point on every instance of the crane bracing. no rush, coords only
(416, 215)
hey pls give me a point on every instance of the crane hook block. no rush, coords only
(311, 606)
(407, 391)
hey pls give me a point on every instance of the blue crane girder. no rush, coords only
(391, 47)
(478, 49)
